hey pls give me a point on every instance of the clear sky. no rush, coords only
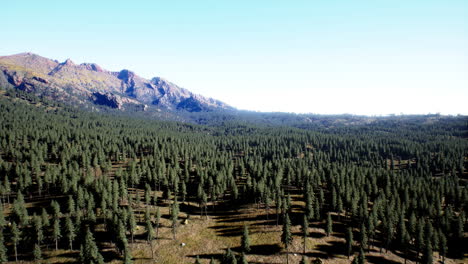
(328, 57)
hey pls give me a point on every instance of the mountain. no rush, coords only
(89, 83)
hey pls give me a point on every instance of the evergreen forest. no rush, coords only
(86, 187)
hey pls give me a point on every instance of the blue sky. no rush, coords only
(328, 57)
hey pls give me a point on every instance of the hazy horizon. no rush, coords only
(361, 58)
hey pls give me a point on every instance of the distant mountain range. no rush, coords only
(88, 83)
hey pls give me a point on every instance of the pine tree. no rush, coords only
(443, 246)
(329, 224)
(363, 237)
(405, 243)
(243, 259)
(20, 213)
(37, 253)
(3, 222)
(158, 219)
(128, 255)
(361, 257)
(89, 252)
(70, 231)
(427, 256)
(132, 223)
(349, 241)
(16, 238)
(229, 257)
(305, 231)
(286, 236)
(37, 220)
(174, 217)
(45, 218)
(3, 249)
(245, 241)
(56, 232)
(150, 235)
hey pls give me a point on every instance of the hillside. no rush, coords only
(89, 83)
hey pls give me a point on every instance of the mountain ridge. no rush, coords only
(89, 82)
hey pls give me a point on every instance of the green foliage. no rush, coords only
(361, 257)
(286, 236)
(229, 257)
(329, 224)
(70, 231)
(243, 259)
(3, 249)
(349, 241)
(245, 241)
(89, 252)
(37, 252)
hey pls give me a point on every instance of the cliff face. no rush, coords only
(88, 81)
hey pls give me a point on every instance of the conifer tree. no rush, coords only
(37, 221)
(37, 252)
(158, 219)
(361, 257)
(286, 236)
(245, 241)
(174, 217)
(70, 231)
(363, 237)
(229, 257)
(131, 223)
(56, 232)
(349, 241)
(150, 235)
(427, 256)
(45, 218)
(329, 224)
(243, 259)
(305, 231)
(89, 252)
(16, 238)
(3, 249)
(20, 213)
(443, 246)
(3, 222)
(128, 255)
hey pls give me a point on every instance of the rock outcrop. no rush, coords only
(107, 99)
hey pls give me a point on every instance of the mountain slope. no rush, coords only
(88, 82)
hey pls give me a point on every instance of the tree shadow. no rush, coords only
(110, 255)
(316, 235)
(329, 250)
(266, 250)
(207, 256)
(381, 260)
(227, 231)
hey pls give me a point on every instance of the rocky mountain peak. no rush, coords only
(37, 74)
(68, 62)
(126, 75)
(92, 67)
